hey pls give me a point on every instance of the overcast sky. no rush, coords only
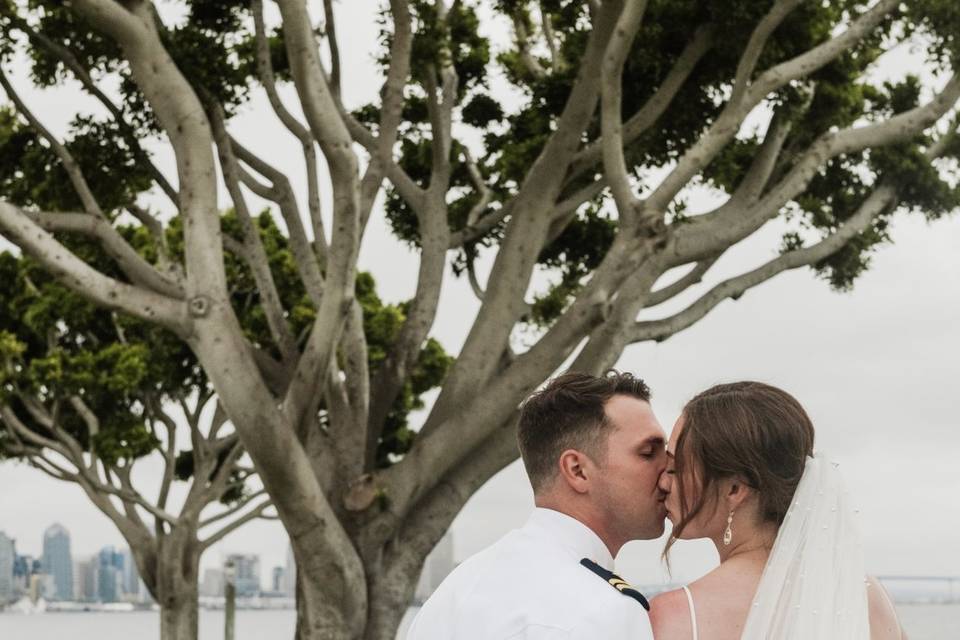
(876, 368)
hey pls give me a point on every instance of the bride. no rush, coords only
(742, 472)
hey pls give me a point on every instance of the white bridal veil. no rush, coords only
(814, 583)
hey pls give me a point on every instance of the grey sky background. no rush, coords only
(876, 368)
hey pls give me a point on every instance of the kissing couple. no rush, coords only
(739, 469)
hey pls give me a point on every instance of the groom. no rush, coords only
(593, 451)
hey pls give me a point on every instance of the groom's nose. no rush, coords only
(665, 481)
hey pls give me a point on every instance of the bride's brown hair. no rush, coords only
(749, 430)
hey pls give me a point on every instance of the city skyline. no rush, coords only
(110, 570)
(55, 574)
(109, 575)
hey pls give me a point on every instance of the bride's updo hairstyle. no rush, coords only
(748, 430)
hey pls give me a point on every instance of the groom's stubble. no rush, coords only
(625, 490)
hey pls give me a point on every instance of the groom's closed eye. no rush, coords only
(651, 448)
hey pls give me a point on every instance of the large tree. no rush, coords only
(624, 107)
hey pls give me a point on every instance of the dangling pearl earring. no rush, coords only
(728, 534)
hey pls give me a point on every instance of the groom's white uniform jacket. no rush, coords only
(530, 585)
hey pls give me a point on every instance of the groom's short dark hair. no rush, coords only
(568, 413)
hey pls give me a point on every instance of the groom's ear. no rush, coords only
(574, 470)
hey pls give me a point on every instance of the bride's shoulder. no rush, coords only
(884, 624)
(670, 616)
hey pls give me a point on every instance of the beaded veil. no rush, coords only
(813, 585)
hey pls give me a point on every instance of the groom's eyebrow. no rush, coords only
(653, 441)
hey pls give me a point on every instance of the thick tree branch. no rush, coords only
(73, 272)
(764, 162)
(611, 96)
(255, 254)
(816, 58)
(607, 340)
(557, 62)
(319, 105)
(130, 506)
(182, 117)
(23, 433)
(330, 31)
(702, 41)
(391, 112)
(301, 132)
(308, 265)
(408, 189)
(670, 291)
(140, 272)
(348, 403)
(441, 121)
(758, 39)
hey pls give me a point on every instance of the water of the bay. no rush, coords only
(922, 622)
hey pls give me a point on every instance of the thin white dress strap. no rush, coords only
(693, 612)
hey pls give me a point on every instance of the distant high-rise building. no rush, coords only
(8, 555)
(247, 573)
(35, 590)
(87, 580)
(290, 574)
(23, 568)
(57, 562)
(109, 575)
(131, 577)
(436, 567)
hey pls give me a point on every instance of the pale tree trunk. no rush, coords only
(179, 617)
(389, 596)
(175, 588)
(321, 614)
